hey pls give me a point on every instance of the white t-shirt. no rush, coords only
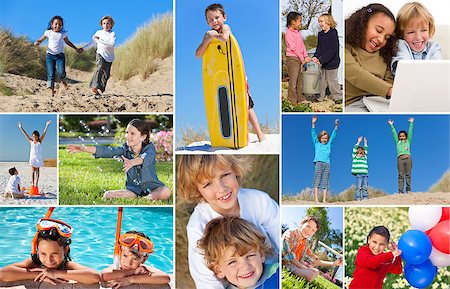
(256, 207)
(105, 44)
(55, 41)
(13, 183)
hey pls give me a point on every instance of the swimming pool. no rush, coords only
(93, 233)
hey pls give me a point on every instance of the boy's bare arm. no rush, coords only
(205, 42)
(225, 35)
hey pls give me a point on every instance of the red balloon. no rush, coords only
(440, 236)
(445, 214)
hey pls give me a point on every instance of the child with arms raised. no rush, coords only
(135, 248)
(360, 169)
(216, 17)
(214, 183)
(372, 263)
(235, 250)
(369, 47)
(50, 261)
(322, 152)
(415, 27)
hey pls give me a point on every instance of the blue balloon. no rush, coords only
(422, 275)
(416, 247)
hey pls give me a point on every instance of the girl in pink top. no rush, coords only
(296, 56)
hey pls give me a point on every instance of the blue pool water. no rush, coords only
(93, 233)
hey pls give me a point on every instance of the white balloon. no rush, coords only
(439, 259)
(424, 218)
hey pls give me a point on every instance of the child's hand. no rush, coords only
(80, 50)
(74, 149)
(210, 34)
(390, 122)
(19, 124)
(314, 119)
(123, 282)
(336, 122)
(411, 119)
(394, 249)
(141, 270)
(307, 59)
(127, 164)
(36, 43)
(48, 122)
(338, 262)
(314, 59)
(360, 139)
(96, 37)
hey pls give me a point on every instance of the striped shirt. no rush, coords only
(359, 164)
(294, 246)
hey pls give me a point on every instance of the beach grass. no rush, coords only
(347, 195)
(83, 180)
(141, 54)
(442, 185)
(81, 61)
(5, 90)
(291, 281)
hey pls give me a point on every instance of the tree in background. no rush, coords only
(309, 9)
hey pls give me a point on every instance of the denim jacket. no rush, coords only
(142, 179)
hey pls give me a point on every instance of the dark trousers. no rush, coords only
(404, 166)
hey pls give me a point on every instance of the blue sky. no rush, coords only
(292, 216)
(256, 27)
(429, 149)
(81, 18)
(15, 147)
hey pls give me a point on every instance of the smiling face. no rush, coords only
(324, 24)
(296, 23)
(324, 138)
(221, 191)
(417, 34)
(241, 271)
(308, 229)
(129, 260)
(51, 254)
(133, 136)
(377, 243)
(379, 29)
(215, 19)
(57, 25)
(106, 25)
(402, 136)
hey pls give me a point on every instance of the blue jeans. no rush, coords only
(55, 63)
(361, 192)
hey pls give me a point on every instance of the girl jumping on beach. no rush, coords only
(55, 59)
(372, 263)
(139, 163)
(50, 261)
(322, 151)
(36, 160)
(404, 161)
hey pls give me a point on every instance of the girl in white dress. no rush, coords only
(36, 160)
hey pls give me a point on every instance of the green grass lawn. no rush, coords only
(291, 281)
(83, 180)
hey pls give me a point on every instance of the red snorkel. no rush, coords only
(116, 260)
(35, 238)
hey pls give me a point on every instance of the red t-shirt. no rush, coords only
(372, 269)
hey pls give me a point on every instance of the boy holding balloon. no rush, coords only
(373, 264)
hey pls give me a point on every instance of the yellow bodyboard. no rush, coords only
(225, 93)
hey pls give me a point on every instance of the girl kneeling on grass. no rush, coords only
(139, 163)
(50, 261)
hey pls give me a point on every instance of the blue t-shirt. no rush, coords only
(322, 151)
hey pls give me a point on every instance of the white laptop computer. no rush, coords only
(419, 86)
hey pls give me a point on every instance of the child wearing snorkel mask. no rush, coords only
(50, 261)
(135, 248)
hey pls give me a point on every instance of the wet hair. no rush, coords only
(311, 218)
(380, 230)
(143, 127)
(36, 133)
(231, 232)
(12, 171)
(63, 242)
(215, 7)
(403, 131)
(329, 19)
(322, 133)
(292, 16)
(139, 234)
(111, 20)
(413, 11)
(194, 169)
(50, 23)
(356, 29)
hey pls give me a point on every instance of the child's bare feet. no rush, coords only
(409, 193)
(66, 86)
(261, 136)
(52, 91)
(94, 90)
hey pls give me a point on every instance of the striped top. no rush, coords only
(359, 164)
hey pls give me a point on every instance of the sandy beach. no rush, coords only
(271, 144)
(418, 198)
(47, 184)
(154, 94)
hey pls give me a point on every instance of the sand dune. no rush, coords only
(47, 184)
(154, 94)
(418, 198)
